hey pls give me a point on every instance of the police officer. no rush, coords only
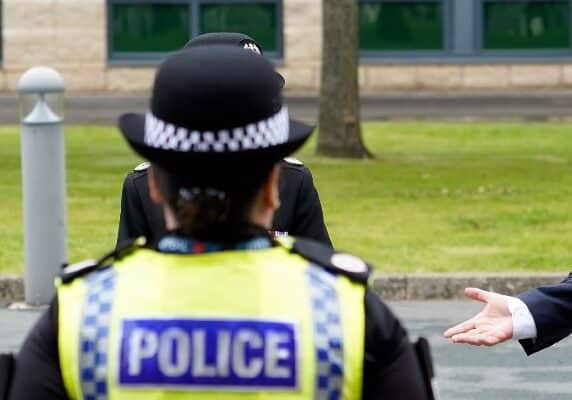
(217, 307)
(299, 213)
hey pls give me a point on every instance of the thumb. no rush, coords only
(478, 294)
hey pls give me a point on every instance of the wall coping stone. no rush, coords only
(391, 286)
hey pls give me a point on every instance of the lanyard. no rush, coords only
(185, 245)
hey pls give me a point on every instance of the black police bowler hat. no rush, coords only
(214, 106)
(229, 39)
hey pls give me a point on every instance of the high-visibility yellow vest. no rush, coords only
(248, 324)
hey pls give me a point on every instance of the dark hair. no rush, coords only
(212, 205)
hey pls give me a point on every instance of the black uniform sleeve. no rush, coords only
(37, 374)
(132, 220)
(6, 372)
(391, 369)
(551, 308)
(308, 218)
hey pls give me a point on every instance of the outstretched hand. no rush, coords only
(493, 325)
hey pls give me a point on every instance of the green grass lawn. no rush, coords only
(439, 197)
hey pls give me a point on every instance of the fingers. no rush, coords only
(475, 294)
(482, 334)
(477, 338)
(478, 294)
(493, 325)
(460, 328)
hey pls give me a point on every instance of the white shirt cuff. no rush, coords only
(523, 326)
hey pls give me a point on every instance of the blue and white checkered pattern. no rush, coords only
(94, 333)
(272, 131)
(328, 334)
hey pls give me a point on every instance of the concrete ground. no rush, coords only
(503, 372)
(529, 105)
(464, 373)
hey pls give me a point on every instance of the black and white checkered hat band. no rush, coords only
(266, 133)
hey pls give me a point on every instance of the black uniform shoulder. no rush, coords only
(292, 162)
(295, 174)
(142, 168)
(293, 165)
(140, 171)
(82, 268)
(337, 262)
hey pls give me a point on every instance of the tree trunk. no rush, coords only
(339, 124)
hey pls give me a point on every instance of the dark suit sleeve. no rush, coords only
(551, 308)
(308, 218)
(37, 374)
(132, 220)
(391, 369)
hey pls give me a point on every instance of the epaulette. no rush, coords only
(76, 270)
(142, 167)
(83, 268)
(293, 161)
(339, 263)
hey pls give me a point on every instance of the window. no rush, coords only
(147, 30)
(401, 25)
(257, 20)
(465, 31)
(526, 25)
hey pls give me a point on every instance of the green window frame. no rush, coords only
(134, 26)
(470, 37)
(269, 13)
(399, 39)
(147, 29)
(525, 26)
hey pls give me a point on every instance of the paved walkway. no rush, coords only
(464, 373)
(478, 373)
(529, 105)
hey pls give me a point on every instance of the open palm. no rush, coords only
(493, 325)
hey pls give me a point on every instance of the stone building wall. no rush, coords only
(70, 35)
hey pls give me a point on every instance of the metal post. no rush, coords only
(43, 181)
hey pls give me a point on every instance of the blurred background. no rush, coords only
(464, 103)
(113, 45)
(461, 109)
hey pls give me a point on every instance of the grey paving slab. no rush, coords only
(472, 373)
(13, 327)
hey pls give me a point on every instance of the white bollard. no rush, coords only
(43, 181)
